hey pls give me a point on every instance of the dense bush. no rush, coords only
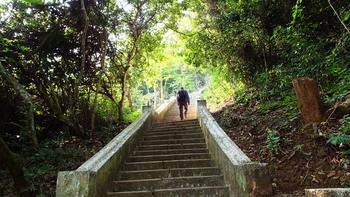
(266, 44)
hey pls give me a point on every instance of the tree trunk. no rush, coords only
(340, 109)
(11, 161)
(77, 126)
(308, 97)
(339, 18)
(28, 105)
(161, 90)
(155, 97)
(264, 56)
(213, 7)
(166, 95)
(122, 96)
(128, 95)
(93, 108)
(55, 109)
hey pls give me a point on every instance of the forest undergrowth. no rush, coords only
(298, 156)
(56, 154)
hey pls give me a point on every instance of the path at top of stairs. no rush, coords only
(173, 114)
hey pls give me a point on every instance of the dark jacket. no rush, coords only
(183, 98)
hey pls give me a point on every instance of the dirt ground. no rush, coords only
(304, 159)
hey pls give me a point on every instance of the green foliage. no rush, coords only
(131, 116)
(338, 139)
(274, 83)
(345, 124)
(47, 159)
(244, 95)
(297, 10)
(227, 119)
(342, 138)
(272, 141)
(267, 45)
(287, 101)
(71, 77)
(222, 85)
(218, 91)
(224, 122)
(338, 62)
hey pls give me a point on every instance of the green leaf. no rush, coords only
(33, 2)
(338, 139)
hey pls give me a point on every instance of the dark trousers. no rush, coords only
(183, 106)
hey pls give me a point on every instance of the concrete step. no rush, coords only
(172, 146)
(172, 141)
(169, 151)
(168, 157)
(217, 191)
(172, 136)
(171, 159)
(186, 163)
(169, 132)
(176, 123)
(163, 129)
(166, 173)
(167, 183)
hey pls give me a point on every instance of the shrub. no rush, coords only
(342, 138)
(273, 141)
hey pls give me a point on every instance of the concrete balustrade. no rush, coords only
(93, 177)
(164, 108)
(245, 178)
(328, 192)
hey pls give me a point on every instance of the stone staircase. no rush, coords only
(171, 159)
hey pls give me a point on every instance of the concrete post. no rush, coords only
(146, 108)
(202, 102)
(308, 97)
(76, 183)
(327, 192)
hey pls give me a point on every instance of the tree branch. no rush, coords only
(27, 102)
(336, 13)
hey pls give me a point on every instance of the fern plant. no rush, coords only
(341, 139)
(338, 139)
(345, 124)
(272, 141)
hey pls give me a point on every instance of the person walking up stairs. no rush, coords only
(183, 100)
